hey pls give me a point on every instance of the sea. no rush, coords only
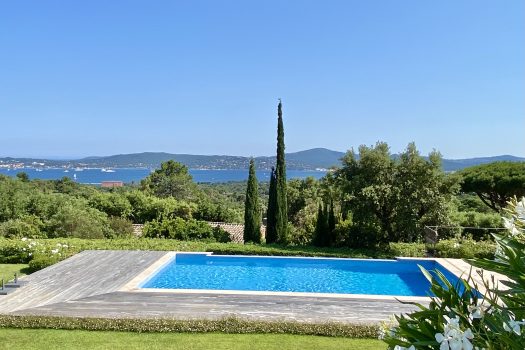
(95, 176)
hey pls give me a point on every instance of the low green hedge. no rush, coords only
(463, 249)
(163, 325)
(40, 253)
(17, 251)
(415, 250)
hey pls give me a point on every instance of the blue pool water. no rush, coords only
(286, 274)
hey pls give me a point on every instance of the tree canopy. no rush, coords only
(391, 199)
(495, 183)
(171, 180)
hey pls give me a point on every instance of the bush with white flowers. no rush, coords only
(458, 316)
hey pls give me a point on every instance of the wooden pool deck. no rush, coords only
(93, 284)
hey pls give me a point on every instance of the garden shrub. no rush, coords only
(416, 250)
(471, 219)
(78, 221)
(26, 226)
(178, 228)
(463, 248)
(121, 227)
(42, 261)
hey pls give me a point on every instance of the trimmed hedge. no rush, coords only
(48, 251)
(414, 250)
(17, 251)
(463, 249)
(163, 325)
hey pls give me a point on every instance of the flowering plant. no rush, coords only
(459, 317)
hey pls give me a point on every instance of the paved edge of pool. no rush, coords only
(457, 267)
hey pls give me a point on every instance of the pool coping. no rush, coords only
(135, 284)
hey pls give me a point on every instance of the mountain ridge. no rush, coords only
(311, 159)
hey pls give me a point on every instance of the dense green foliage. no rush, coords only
(185, 230)
(51, 339)
(252, 210)
(63, 208)
(325, 226)
(391, 200)
(171, 180)
(495, 183)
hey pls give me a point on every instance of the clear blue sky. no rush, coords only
(82, 78)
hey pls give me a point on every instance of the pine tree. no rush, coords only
(252, 212)
(271, 232)
(281, 205)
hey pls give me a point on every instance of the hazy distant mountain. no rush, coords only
(316, 158)
(458, 164)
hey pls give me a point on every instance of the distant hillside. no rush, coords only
(304, 160)
(458, 164)
(317, 158)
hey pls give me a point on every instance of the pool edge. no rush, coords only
(135, 284)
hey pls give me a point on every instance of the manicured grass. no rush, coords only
(44, 339)
(7, 271)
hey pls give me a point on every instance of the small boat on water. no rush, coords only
(66, 171)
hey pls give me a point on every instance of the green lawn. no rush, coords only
(7, 271)
(44, 339)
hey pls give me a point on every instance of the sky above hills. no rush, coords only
(87, 78)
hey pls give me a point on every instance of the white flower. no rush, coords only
(514, 326)
(453, 338)
(59, 245)
(520, 209)
(54, 251)
(476, 311)
(397, 347)
(24, 239)
(511, 226)
(30, 254)
(456, 245)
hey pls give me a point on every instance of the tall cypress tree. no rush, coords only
(271, 232)
(252, 212)
(331, 223)
(318, 238)
(281, 205)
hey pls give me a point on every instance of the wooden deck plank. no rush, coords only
(213, 306)
(85, 274)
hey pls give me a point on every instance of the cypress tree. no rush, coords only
(281, 205)
(252, 212)
(271, 232)
(326, 230)
(318, 233)
(331, 223)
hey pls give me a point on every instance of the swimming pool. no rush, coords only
(197, 271)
